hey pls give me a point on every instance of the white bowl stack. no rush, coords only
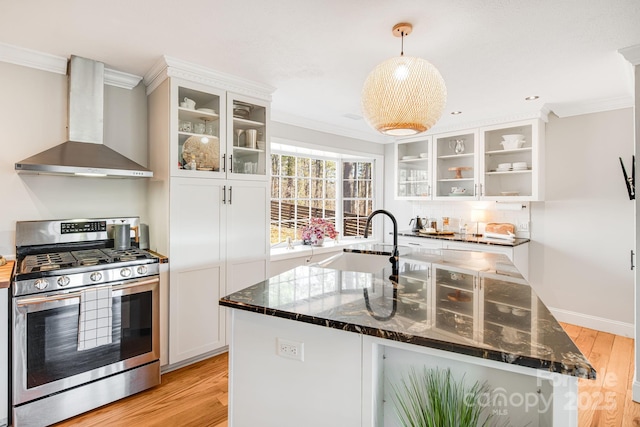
(503, 167)
(520, 166)
(512, 141)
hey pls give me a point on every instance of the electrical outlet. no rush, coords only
(523, 226)
(290, 349)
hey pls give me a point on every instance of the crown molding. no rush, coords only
(172, 67)
(303, 122)
(542, 114)
(33, 59)
(631, 54)
(58, 65)
(121, 79)
(594, 106)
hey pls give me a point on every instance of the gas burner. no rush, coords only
(90, 257)
(130, 254)
(46, 262)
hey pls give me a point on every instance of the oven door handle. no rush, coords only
(59, 297)
(23, 302)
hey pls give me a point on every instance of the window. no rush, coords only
(357, 196)
(309, 184)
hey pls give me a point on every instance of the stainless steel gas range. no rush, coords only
(85, 321)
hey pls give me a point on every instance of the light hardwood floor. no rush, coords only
(197, 395)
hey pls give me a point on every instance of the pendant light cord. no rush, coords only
(402, 43)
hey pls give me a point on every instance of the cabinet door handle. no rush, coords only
(224, 195)
(224, 163)
(428, 189)
(230, 169)
(475, 190)
(230, 189)
(632, 254)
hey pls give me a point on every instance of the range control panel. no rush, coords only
(82, 227)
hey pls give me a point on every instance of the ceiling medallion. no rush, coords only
(403, 95)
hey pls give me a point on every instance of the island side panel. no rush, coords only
(270, 390)
(527, 396)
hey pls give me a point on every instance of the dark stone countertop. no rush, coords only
(467, 238)
(472, 303)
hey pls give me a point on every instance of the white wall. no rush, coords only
(583, 233)
(33, 111)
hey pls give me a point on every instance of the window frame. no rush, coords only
(339, 155)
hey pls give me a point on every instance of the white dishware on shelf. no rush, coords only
(190, 103)
(409, 157)
(503, 308)
(206, 110)
(520, 166)
(424, 155)
(513, 137)
(512, 144)
(520, 312)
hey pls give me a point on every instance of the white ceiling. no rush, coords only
(317, 54)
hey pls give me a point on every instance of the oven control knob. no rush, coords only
(96, 276)
(142, 269)
(41, 284)
(63, 281)
(125, 272)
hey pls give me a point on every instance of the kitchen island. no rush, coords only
(322, 345)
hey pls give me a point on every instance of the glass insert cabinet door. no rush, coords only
(247, 136)
(456, 300)
(413, 169)
(509, 318)
(199, 147)
(455, 165)
(509, 161)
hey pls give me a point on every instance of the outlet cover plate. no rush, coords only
(290, 349)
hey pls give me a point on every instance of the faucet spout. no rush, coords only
(395, 227)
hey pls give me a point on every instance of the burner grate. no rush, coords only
(47, 262)
(90, 257)
(130, 254)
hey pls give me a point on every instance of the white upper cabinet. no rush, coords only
(197, 130)
(456, 165)
(473, 164)
(414, 169)
(246, 137)
(512, 170)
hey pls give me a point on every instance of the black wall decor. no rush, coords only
(630, 180)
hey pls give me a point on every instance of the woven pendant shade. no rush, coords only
(403, 96)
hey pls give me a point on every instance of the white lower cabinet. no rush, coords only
(419, 242)
(518, 255)
(217, 245)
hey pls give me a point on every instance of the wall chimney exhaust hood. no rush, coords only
(84, 153)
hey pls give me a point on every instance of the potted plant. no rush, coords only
(432, 398)
(317, 229)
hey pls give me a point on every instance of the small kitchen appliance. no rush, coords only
(84, 318)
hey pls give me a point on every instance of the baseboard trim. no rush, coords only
(594, 322)
(168, 368)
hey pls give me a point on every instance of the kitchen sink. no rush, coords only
(354, 261)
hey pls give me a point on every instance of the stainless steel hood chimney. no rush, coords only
(84, 153)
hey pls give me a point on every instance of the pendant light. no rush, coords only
(403, 95)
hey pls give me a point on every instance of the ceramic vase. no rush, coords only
(316, 241)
